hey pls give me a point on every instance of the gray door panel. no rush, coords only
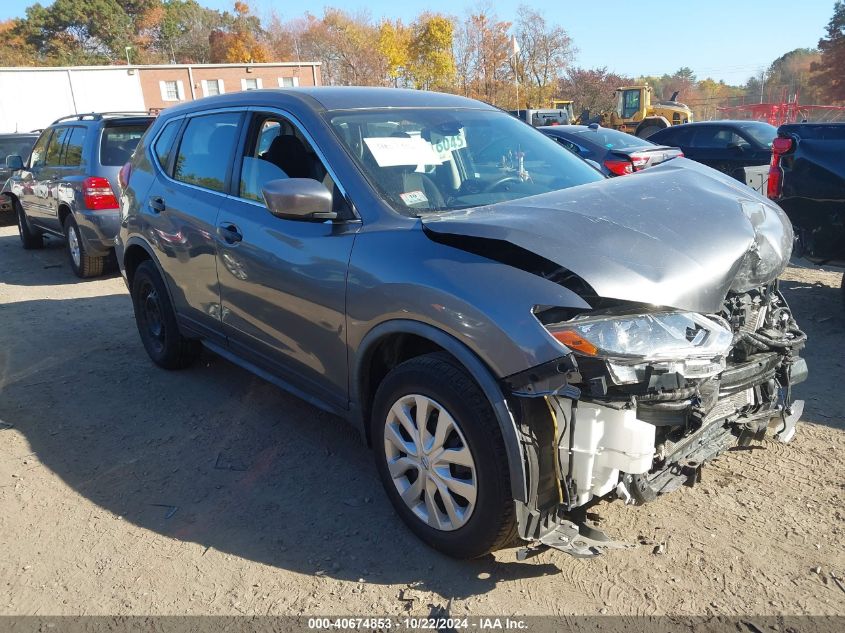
(283, 291)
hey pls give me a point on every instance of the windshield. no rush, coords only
(20, 145)
(435, 160)
(612, 139)
(761, 132)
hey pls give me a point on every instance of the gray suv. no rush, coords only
(67, 187)
(515, 336)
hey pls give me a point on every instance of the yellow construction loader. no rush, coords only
(636, 114)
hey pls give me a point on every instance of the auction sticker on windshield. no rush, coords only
(402, 151)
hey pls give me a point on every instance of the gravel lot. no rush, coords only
(125, 489)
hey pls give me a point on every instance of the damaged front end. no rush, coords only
(644, 399)
(679, 346)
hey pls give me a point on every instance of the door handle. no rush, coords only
(230, 233)
(156, 204)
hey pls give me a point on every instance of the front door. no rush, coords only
(283, 282)
(29, 186)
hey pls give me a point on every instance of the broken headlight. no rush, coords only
(652, 336)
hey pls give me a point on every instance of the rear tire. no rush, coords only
(156, 321)
(477, 524)
(29, 239)
(83, 264)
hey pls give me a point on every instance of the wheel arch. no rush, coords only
(135, 253)
(402, 339)
(64, 211)
(660, 121)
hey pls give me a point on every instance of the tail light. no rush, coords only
(98, 194)
(619, 167)
(123, 175)
(639, 161)
(774, 187)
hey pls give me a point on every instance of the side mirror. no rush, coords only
(593, 164)
(298, 199)
(14, 162)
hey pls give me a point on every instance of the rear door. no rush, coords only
(720, 147)
(68, 175)
(180, 210)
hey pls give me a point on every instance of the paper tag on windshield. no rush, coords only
(392, 151)
(413, 197)
(445, 145)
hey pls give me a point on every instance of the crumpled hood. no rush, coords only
(679, 235)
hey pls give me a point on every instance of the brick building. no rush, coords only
(33, 97)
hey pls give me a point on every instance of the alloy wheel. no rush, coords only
(430, 462)
(73, 246)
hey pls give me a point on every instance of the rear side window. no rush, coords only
(118, 143)
(206, 148)
(54, 149)
(164, 142)
(676, 135)
(713, 137)
(73, 147)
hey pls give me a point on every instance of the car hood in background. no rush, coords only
(678, 235)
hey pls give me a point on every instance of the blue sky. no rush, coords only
(723, 39)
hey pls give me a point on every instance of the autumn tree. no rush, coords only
(432, 66)
(14, 48)
(347, 44)
(239, 40)
(592, 89)
(545, 51)
(830, 76)
(394, 45)
(481, 51)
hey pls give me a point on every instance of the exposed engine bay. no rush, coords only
(634, 425)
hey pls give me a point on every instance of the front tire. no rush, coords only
(156, 321)
(441, 457)
(83, 264)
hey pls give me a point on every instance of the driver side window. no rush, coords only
(277, 150)
(39, 151)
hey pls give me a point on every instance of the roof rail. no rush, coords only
(98, 116)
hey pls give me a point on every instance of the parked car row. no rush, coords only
(68, 186)
(515, 335)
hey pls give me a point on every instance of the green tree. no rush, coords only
(830, 76)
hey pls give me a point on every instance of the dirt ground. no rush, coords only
(125, 489)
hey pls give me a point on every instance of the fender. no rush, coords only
(137, 241)
(479, 372)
